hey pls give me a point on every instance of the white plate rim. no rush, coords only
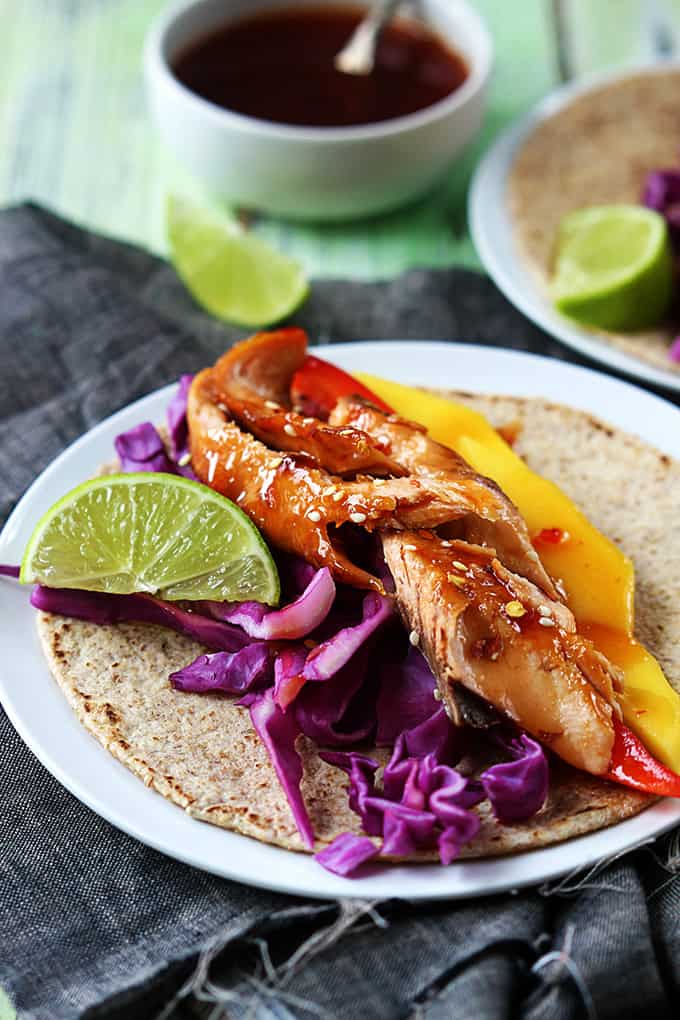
(80, 764)
(493, 237)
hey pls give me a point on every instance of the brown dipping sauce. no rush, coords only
(278, 66)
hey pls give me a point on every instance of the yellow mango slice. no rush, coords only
(598, 579)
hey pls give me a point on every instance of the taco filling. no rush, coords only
(423, 661)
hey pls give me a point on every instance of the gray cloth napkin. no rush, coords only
(93, 923)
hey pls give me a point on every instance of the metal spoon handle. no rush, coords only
(358, 55)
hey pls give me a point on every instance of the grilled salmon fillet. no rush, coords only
(495, 633)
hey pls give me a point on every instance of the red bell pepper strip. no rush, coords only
(317, 386)
(633, 765)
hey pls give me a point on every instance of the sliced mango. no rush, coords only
(598, 579)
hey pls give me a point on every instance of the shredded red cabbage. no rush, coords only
(662, 193)
(102, 608)
(324, 661)
(423, 802)
(7, 570)
(176, 417)
(288, 679)
(435, 736)
(517, 789)
(340, 711)
(234, 672)
(295, 573)
(451, 839)
(293, 621)
(346, 853)
(278, 732)
(361, 771)
(406, 696)
(398, 839)
(141, 449)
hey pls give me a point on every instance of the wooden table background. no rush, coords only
(75, 135)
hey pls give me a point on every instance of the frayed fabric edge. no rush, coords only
(271, 981)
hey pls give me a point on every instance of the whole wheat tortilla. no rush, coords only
(200, 750)
(597, 150)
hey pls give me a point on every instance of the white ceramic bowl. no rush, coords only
(312, 173)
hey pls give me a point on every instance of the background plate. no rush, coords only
(494, 239)
(44, 719)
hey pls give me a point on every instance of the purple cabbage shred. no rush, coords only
(176, 418)
(423, 801)
(295, 620)
(517, 789)
(340, 711)
(347, 853)
(288, 677)
(141, 449)
(7, 570)
(406, 696)
(233, 672)
(102, 608)
(454, 837)
(324, 661)
(361, 772)
(662, 193)
(278, 732)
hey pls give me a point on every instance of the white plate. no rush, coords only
(43, 718)
(494, 238)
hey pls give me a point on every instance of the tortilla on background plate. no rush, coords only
(201, 752)
(597, 150)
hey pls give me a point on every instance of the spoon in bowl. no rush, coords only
(358, 55)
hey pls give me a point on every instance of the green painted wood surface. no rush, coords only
(75, 135)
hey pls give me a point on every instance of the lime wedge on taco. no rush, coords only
(154, 533)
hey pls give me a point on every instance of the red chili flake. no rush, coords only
(551, 536)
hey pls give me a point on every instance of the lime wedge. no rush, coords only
(232, 274)
(154, 533)
(613, 267)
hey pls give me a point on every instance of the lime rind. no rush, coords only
(151, 532)
(235, 275)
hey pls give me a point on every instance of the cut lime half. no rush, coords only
(613, 267)
(234, 275)
(154, 533)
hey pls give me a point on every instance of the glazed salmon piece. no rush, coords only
(493, 519)
(253, 379)
(481, 626)
(297, 506)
